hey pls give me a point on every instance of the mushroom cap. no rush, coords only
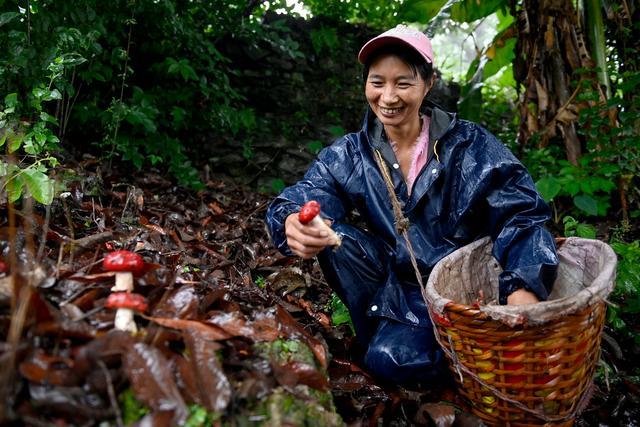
(128, 300)
(4, 268)
(309, 211)
(123, 261)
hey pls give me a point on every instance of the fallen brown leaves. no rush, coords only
(228, 325)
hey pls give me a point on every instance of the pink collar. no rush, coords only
(419, 154)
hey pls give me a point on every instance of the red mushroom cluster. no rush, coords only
(124, 264)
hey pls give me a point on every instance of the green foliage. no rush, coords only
(314, 147)
(200, 417)
(421, 11)
(261, 282)
(573, 227)
(495, 59)
(286, 351)
(376, 14)
(324, 40)
(141, 81)
(339, 312)
(277, 185)
(472, 10)
(612, 153)
(626, 294)
(25, 130)
(589, 187)
(132, 409)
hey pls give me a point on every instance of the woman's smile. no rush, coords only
(390, 111)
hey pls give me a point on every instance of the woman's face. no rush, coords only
(394, 92)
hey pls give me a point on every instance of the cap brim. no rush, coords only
(378, 42)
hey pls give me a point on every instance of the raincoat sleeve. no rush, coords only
(323, 182)
(517, 213)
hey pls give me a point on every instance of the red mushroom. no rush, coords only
(126, 304)
(124, 263)
(309, 214)
(4, 268)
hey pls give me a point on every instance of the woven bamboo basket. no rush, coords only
(526, 365)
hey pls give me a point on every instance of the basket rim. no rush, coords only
(529, 314)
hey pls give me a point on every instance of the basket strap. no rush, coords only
(402, 227)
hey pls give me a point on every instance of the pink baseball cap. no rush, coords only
(400, 34)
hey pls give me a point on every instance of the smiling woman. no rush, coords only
(426, 183)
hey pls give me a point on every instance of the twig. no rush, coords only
(257, 175)
(88, 242)
(112, 394)
(45, 231)
(124, 80)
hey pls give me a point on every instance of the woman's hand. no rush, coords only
(306, 240)
(522, 296)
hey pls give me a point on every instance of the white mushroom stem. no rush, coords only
(124, 320)
(319, 222)
(124, 282)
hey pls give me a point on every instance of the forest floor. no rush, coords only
(234, 333)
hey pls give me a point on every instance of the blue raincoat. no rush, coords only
(471, 186)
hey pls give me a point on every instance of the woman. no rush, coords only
(455, 183)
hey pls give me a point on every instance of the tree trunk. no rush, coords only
(550, 48)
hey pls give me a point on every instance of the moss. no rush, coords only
(307, 408)
(286, 351)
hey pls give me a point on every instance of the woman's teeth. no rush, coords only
(390, 110)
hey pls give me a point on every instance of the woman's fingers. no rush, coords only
(305, 240)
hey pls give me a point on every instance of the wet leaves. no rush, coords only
(152, 380)
(234, 331)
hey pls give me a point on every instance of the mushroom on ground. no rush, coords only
(127, 304)
(4, 268)
(309, 214)
(124, 263)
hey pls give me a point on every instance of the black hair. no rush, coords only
(409, 56)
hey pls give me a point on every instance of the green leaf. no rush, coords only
(178, 115)
(503, 57)
(336, 131)
(55, 94)
(187, 72)
(40, 185)
(505, 19)
(15, 141)
(586, 231)
(314, 147)
(587, 204)
(11, 100)
(470, 103)
(549, 187)
(132, 408)
(40, 137)
(3, 137)
(277, 185)
(7, 17)
(421, 11)
(15, 184)
(45, 117)
(471, 10)
(572, 187)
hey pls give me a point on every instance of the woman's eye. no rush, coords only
(376, 84)
(404, 85)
